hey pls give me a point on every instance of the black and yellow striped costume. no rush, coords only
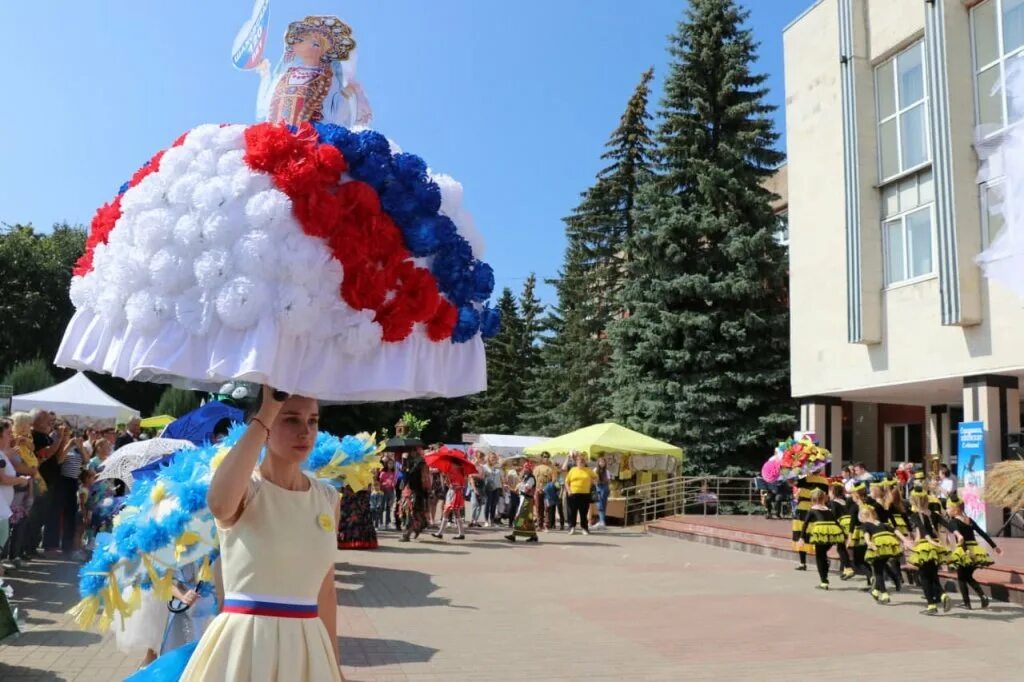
(927, 554)
(882, 542)
(969, 557)
(821, 530)
(969, 553)
(804, 488)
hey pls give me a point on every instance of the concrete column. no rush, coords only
(994, 400)
(937, 433)
(824, 416)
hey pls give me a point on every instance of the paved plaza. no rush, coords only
(617, 605)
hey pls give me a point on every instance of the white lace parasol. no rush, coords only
(136, 455)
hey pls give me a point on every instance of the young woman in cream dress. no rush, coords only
(277, 530)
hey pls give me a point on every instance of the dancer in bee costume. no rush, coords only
(968, 555)
(884, 544)
(805, 487)
(927, 552)
(855, 542)
(821, 530)
(841, 510)
(879, 503)
(900, 523)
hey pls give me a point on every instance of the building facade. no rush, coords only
(896, 337)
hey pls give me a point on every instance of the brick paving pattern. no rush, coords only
(611, 606)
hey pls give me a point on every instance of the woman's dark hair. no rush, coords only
(5, 424)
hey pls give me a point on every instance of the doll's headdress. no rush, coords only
(337, 33)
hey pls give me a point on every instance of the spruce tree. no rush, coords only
(593, 274)
(701, 352)
(498, 409)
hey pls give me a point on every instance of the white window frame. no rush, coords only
(1001, 58)
(890, 282)
(986, 230)
(898, 113)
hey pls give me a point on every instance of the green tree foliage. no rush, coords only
(176, 402)
(35, 269)
(499, 408)
(701, 354)
(29, 375)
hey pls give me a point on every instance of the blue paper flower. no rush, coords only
(468, 324)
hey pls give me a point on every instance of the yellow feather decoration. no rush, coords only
(205, 572)
(85, 611)
(184, 541)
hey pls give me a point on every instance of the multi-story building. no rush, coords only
(897, 338)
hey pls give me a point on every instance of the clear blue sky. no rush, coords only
(514, 99)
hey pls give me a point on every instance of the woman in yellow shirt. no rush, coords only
(578, 483)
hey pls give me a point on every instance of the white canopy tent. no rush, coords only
(506, 446)
(76, 399)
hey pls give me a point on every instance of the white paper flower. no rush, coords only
(146, 312)
(169, 272)
(110, 305)
(230, 162)
(202, 136)
(127, 273)
(149, 193)
(229, 138)
(188, 232)
(82, 292)
(295, 309)
(270, 211)
(153, 228)
(211, 269)
(241, 301)
(175, 161)
(210, 194)
(255, 254)
(204, 163)
(219, 229)
(181, 190)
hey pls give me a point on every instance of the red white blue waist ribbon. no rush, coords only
(268, 605)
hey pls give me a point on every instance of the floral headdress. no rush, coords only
(337, 33)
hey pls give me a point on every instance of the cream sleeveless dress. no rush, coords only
(277, 552)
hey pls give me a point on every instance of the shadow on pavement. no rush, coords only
(18, 672)
(58, 638)
(413, 548)
(362, 652)
(387, 587)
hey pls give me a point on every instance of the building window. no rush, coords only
(906, 443)
(782, 228)
(901, 98)
(992, 221)
(997, 35)
(907, 220)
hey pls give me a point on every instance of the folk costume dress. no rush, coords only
(355, 529)
(274, 559)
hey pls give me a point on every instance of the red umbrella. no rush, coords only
(449, 461)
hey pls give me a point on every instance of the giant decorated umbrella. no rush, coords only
(307, 252)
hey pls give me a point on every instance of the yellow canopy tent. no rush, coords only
(157, 422)
(602, 438)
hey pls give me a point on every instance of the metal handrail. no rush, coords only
(702, 495)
